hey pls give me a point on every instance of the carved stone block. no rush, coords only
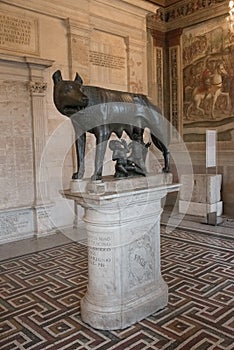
(200, 194)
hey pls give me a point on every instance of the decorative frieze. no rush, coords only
(174, 90)
(173, 71)
(183, 9)
(159, 77)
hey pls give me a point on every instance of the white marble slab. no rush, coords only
(200, 194)
(200, 209)
(201, 188)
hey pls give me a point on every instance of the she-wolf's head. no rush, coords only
(68, 97)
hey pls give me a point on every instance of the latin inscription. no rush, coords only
(17, 33)
(107, 60)
(16, 222)
(100, 252)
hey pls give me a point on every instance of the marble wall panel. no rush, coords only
(18, 33)
(16, 185)
(108, 60)
(16, 224)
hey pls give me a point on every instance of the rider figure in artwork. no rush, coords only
(206, 77)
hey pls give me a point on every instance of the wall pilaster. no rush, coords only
(137, 73)
(26, 127)
(37, 90)
(78, 47)
(175, 82)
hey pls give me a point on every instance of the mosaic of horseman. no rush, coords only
(209, 89)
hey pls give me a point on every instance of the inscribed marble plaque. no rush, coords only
(18, 33)
(16, 222)
(108, 61)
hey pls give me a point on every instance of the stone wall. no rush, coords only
(106, 43)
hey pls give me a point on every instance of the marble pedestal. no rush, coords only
(205, 197)
(123, 230)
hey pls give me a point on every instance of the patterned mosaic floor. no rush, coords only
(41, 292)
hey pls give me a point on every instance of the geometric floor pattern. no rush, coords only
(41, 292)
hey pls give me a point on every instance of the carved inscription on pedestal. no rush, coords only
(100, 252)
(18, 33)
(100, 256)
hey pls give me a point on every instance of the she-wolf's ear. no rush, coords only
(57, 76)
(78, 79)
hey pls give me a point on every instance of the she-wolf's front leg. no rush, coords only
(80, 156)
(102, 138)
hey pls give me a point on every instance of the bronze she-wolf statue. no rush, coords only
(102, 112)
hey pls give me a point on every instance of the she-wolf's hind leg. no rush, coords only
(165, 152)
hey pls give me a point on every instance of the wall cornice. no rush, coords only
(73, 8)
(29, 60)
(186, 13)
(53, 8)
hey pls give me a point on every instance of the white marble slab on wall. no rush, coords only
(16, 176)
(16, 224)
